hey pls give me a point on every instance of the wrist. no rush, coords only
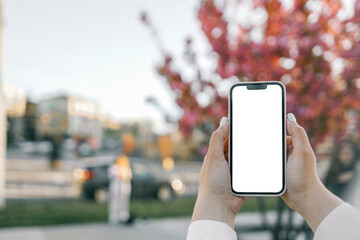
(209, 207)
(316, 204)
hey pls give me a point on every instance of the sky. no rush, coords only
(97, 49)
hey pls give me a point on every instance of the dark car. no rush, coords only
(149, 181)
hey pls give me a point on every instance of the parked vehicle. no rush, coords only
(149, 181)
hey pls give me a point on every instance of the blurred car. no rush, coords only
(149, 181)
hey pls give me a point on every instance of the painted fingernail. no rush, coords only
(223, 121)
(291, 117)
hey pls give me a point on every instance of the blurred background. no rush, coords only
(84, 83)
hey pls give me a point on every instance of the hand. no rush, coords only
(305, 193)
(215, 200)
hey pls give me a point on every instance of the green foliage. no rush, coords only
(54, 213)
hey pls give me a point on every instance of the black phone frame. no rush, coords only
(283, 98)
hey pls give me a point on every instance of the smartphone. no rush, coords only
(257, 138)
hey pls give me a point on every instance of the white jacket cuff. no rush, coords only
(208, 230)
(341, 223)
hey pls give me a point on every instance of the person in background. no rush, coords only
(216, 207)
(120, 191)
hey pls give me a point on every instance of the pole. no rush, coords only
(3, 120)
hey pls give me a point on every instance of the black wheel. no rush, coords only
(89, 195)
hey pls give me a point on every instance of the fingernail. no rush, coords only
(223, 121)
(291, 117)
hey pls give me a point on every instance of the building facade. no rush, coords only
(69, 116)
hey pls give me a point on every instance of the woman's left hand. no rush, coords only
(215, 200)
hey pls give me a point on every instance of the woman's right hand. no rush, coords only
(305, 193)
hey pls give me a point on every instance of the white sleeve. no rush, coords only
(208, 230)
(341, 223)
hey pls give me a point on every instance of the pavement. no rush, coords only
(175, 229)
(171, 228)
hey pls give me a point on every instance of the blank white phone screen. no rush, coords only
(257, 139)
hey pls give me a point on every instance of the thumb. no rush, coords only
(218, 138)
(297, 133)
